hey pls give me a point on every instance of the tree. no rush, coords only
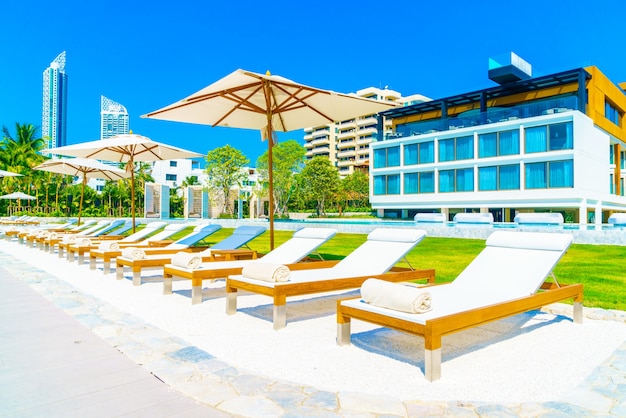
(225, 169)
(320, 181)
(355, 188)
(20, 153)
(288, 159)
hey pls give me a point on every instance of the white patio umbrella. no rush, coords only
(84, 168)
(126, 148)
(269, 103)
(19, 196)
(8, 174)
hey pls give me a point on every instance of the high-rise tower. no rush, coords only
(113, 118)
(54, 113)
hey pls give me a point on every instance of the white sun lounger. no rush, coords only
(384, 248)
(503, 280)
(304, 242)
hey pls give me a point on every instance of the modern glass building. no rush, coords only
(113, 118)
(554, 143)
(54, 109)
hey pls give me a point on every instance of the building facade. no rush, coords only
(54, 109)
(114, 119)
(547, 144)
(346, 143)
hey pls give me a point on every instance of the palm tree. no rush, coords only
(21, 152)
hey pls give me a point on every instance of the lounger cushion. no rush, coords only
(396, 235)
(318, 233)
(530, 240)
(266, 271)
(396, 296)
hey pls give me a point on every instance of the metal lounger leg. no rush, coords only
(432, 364)
(280, 316)
(343, 333)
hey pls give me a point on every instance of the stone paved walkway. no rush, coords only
(226, 391)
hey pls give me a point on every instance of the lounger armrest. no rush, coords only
(312, 265)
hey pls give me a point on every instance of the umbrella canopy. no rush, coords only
(270, 103)
(18, 195)
(8, 174)
(126, 148)
(85, 168)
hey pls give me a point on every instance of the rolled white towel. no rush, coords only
(53, 235)
(266, 271)
(69, 239)
(134, 253)
(187, 260)
(396, 296)
(109, 246)
(84, 242)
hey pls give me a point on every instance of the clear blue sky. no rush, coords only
(148, 54)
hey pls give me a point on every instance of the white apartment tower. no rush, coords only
(54, 108)
(346, 143)
(113, 118)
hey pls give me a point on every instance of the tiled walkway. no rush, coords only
(61, 355)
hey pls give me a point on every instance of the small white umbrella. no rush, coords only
(84, 168)
(18, 196)
(126, 148)
(270, 103)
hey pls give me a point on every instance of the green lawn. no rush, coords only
(600, 268)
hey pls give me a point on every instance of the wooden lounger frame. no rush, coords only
(281, 291)
(434, 329)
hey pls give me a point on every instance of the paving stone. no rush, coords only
(252, 406)
(370, 403)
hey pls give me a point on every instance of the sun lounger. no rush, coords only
(508, 277)
(303, 243)
(117, 225)
(384, 248)
(137, 264)
(86, 245)
(40, 239)
(30, 234)
(53, 239)
(108, 254)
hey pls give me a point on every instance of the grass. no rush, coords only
(600, 268)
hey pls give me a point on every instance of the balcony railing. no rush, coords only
(491, 115)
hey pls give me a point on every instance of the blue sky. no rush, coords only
(148, 54)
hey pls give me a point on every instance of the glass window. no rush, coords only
(508, 143)
(387, 184)
(446, 150)
(393, 156)
(427, 182)
(170, 177)
(536, 176)
(446, 181)
(487, 178)
(465, 148)
(173, 163)
(380, 157)
(561, 136)
(410, 183)
(410, 154)
(465, 180)
(508, 177)
(487, 145)
(612, 113)
(536, 139)
(387, 157)
(427, 152)
(561, 173)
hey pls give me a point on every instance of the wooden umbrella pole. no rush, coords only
(82, 194)
(132, 192)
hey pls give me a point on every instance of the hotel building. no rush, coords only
(54, 109)
(553, 143)
(346, 143)
(113, 119)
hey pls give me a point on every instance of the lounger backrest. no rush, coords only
(167, 232)
(96, 227)
(512, 265)
(304, 242)
(126, 226)
(109, 227)
(382, 250)
(199, 233)
(83, 226)
(240, 237)
(144, 232)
